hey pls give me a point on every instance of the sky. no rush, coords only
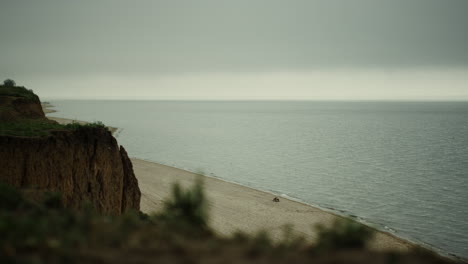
(237, 49)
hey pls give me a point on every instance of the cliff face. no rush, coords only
(14, 108)
(131, 194)
(28, 108)
(83, 165)
(19, 103)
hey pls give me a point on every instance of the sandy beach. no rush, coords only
(235, 207)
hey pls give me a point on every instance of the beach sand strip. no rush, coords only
(235, 207)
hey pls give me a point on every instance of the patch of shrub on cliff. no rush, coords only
(9, 88)
(29, 128)
(76, 125)
(9, 83)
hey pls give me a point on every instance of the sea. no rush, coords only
(401, 167)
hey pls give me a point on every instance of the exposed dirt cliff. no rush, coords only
(19, 108)
(18, 103)
(82, 163)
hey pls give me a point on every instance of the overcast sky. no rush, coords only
(311, 49)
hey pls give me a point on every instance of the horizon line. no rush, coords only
(258, 99)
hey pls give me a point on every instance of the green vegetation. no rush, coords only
(77, 125)
(45, 227)
(186, 209)
(9, 83)
(45, 232)
(30, 128)
(10, 198)
(9, 88)
(343, 234)
(32, 230)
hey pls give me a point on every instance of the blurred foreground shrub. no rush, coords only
(343, 234)
(186, 209)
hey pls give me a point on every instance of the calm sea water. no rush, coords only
(399, 166)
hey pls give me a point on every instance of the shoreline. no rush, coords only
(236, 207)
(335, 212)
(46, 107)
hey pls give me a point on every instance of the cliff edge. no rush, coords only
(19, 103)
(83, 163)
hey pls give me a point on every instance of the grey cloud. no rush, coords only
(67, 37)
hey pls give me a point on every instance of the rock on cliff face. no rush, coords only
(85, 164)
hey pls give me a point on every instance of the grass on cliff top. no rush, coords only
(47, 232)
(18, 91)
(31, 128)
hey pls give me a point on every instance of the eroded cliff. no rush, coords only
(18, 103)
(82, 163)
(85, 164)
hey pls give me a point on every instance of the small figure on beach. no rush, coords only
(276, 199)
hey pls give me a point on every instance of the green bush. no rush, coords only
(19, 91)
(41, 127)
(260, 243)
(9, 83)
(290, 240)
(53, 200)
(75, 125)
(10, 198)
(188, 208)
(343, 234)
